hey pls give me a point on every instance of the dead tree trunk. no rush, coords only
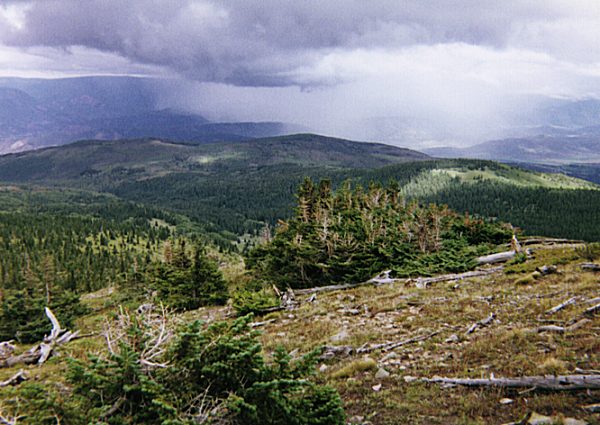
(548, 382)
(500, 257)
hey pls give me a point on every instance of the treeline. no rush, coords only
(354, 233)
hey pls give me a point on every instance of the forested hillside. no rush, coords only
(233, 189)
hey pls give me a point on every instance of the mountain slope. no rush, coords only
(234, 188)
(36, 113)
(143, 158)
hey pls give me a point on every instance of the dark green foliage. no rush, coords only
(57, 245)
(225, 361)
(119, 389)
(572, 213)
(184, 283)
(217, 373)
(22, 314)
(355, 233)
(254, 300)
(37, 404)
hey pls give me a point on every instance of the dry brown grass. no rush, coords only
(510, 346)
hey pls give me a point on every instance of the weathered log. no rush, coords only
(391, 345)
(546, 270)
(481, 323)
(592, 310)
(330, 288)
(331, 351)
(550, 241)
(6, 349)
(563, 329)
(592, 408)
(590, 266)
(500, 257)
(548, 382)
(423, 282)
(259, 324)
(16, 379)
(559, 307)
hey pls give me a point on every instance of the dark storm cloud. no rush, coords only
(405, 71)
(263, 42)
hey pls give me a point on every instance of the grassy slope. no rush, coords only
(396, 312)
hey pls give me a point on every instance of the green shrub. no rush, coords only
(248, 301)
(22, 315)
(213, 374)
(185, 283)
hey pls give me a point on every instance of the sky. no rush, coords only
(409, 72)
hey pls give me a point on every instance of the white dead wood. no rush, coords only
(424, 282)
(7, 348)
(546, 270)
(548, 382)
(559, 307)
(41, 352)
(16, 379)
(590, 266)
(331, 351)
(592, 408)
(259, 324)
(6, 420)
(592, 310)
(156, 329)
(587, 371)
(391, 345)
(482, 323)
(383, 278)
(550, 241)
(500, 257)
(592, 301)
(563, 329)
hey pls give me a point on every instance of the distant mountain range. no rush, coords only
(548, 149)
(37, 113)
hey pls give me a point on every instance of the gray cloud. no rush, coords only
(263, 42)
(406, 71)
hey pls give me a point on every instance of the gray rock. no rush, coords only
(382, 374)
(342, 335)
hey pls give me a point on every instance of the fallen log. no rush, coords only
(16, 379)
(592, 310)
(481, 323)
(590, 266)
(548, 382)
(391, 345)
(550, 241)
(330, 288)
(423, 282)
(559, 307)
(500, 257)
(563, 329)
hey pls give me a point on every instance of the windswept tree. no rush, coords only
(354, 233)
